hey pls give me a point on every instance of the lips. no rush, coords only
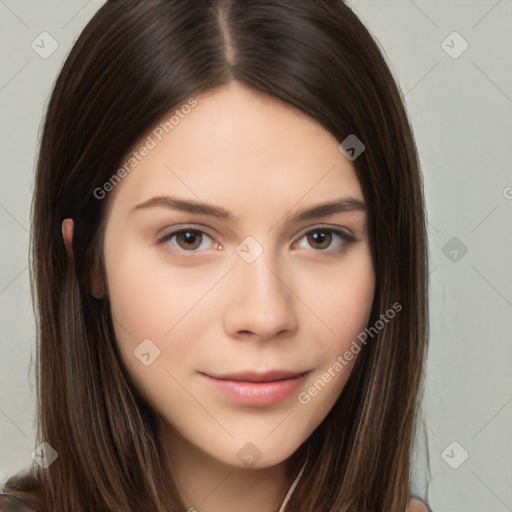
(252, 376)
(257, 389)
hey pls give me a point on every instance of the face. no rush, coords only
(233, 322)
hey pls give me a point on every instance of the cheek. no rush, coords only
(151, 299)
(341, 299)
(148, 295)
(343, 306)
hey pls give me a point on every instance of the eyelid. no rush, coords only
(177, 228)
(328, 227)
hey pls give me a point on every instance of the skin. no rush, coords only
(297, 306)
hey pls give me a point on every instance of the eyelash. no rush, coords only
(181, 253)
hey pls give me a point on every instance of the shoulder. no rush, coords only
(10, 503)
(416, 505)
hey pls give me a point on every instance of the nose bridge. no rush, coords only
(263, 276)
(261, 303)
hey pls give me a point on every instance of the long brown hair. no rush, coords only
(135, 61)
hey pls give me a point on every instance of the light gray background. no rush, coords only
(461, 111)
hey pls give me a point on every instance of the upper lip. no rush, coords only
(255, 376)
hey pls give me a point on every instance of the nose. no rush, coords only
(260, 305)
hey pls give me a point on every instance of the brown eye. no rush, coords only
(319, 239)
(325, 241)
(189, 239)
(188, 242)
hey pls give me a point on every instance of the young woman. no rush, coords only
(229, 255)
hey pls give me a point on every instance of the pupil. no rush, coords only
(190, 238)
(320, 236)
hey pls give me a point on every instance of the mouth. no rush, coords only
(258, 389)
(259, 377)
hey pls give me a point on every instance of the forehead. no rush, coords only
(240, 146)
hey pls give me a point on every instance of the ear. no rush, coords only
(67, 233)
(95, 281)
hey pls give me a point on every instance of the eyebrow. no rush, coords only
(341, 205)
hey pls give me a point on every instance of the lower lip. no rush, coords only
(259, 394)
